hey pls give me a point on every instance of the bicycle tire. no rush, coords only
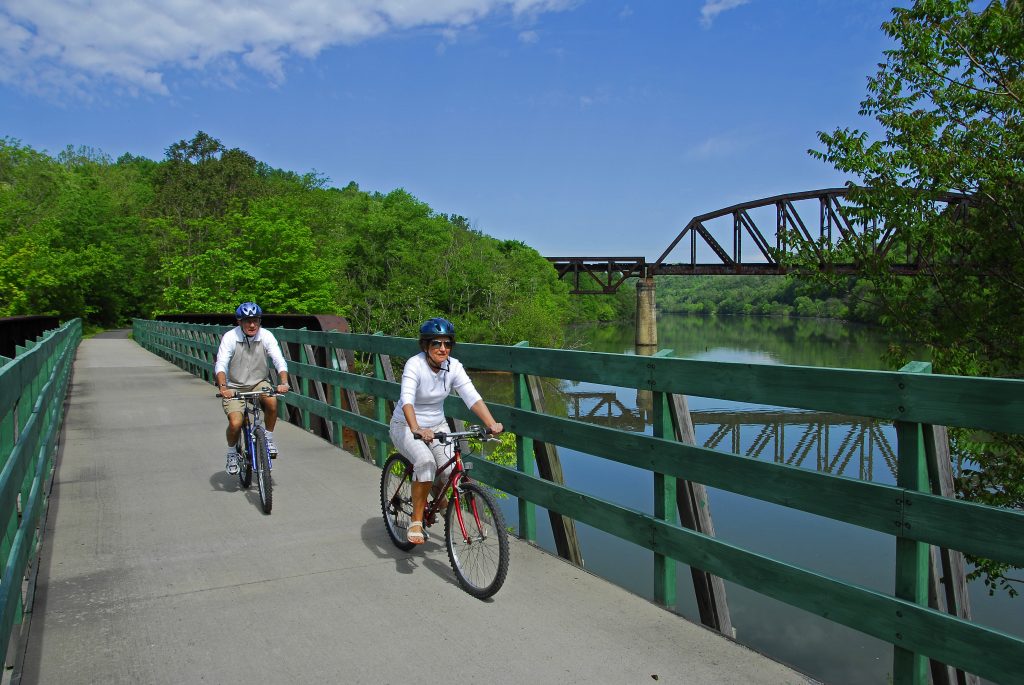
(263, 479)
(396, 499)
(244, 464)
(481, 561)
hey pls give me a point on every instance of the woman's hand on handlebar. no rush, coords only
(424, 434)
(495, 428)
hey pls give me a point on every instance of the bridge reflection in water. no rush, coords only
(837, 444)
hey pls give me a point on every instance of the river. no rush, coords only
(847, 446)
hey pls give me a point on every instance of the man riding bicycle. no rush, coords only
(427, 379)
(241, 366)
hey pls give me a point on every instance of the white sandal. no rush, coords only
(415, 536)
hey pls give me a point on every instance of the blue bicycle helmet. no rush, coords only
(436, 328)
(247, 309)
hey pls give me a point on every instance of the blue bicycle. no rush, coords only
(253, 454)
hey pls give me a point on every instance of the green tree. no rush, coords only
(949, 99)
(261, 256)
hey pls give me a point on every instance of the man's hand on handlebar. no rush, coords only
(495, 428)
(226, 393)
(283, 388)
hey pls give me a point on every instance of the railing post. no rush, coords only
(665, 508)
(911, 668)
(339, 429)
(524, 457)
(304, 383)
(382, 407)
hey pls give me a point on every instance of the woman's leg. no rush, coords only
(423, 468)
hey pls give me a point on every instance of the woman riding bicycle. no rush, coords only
(427, 379)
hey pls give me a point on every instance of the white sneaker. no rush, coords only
(271, 447)
(232, 464)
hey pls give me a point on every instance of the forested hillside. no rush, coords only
(208, 227)
(766, 296)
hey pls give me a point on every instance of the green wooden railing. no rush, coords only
(913, 398)
(33, 386)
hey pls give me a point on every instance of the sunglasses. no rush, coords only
(251, 319)
(437, 344)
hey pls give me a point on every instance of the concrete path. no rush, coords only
(157, 568)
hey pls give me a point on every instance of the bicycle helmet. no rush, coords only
(436, 328)
(247, 309)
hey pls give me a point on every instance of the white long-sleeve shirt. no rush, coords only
(244, 362)
(426, 389)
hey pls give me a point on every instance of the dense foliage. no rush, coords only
(208, 227)
(949, 99)
(764, 296)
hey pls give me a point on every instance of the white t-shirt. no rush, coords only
(426, 389)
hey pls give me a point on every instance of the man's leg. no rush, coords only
(234, 428)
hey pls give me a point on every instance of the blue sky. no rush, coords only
(581, 127)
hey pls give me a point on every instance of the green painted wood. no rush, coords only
(34, 386)
(911, 668)
(992, 403)
(990, 653)
(911, 396)
(525, 462)
(955, 524)
(379, 372)
(304, 384)
(664, 504)
(871, 505)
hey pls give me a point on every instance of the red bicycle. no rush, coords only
(474, 528)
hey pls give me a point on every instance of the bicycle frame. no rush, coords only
(455, 478)
(252, 418)
(475, 534)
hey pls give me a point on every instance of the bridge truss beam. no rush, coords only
(755, 248)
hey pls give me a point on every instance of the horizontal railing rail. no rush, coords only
(33, 387)
(913, 398)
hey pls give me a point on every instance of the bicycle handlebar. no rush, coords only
(252, 393)
(474, 432)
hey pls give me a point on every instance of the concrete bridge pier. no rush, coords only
(646, 341)
(646, 318)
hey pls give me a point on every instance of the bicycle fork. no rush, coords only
(469, 539)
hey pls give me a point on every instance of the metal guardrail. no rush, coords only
(33, 386)
(916, 400)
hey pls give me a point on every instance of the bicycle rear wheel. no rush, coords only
(244, 463)
(263, 480)
(396, 499)
(480, 557)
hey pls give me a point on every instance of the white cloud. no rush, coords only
(528, 37)
(712, 8)
(716, 147)
(70, 45)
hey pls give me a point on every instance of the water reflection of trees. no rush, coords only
(830, 443)
(808, 342)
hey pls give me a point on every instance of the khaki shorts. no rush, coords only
(237, 406)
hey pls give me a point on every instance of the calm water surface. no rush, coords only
(847, 446)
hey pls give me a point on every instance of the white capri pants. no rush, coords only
(426, 459)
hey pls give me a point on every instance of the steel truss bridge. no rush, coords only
(759, 235)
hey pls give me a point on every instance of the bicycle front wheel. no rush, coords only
(396, 499)
(263, 480)
(244, 463)
(477, 541)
